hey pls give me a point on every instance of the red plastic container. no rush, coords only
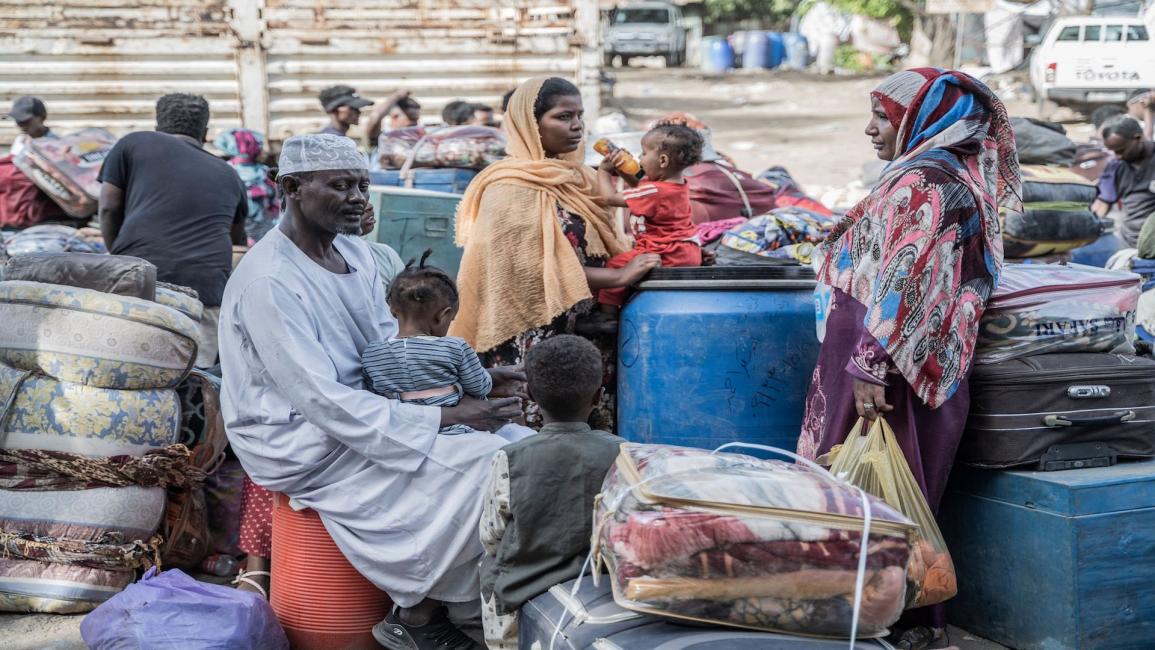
(320, 599)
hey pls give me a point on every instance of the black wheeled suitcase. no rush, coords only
(591, 620)
(1060, 411)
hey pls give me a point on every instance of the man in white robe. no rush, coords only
(399, 500)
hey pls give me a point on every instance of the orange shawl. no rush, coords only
(518, 270)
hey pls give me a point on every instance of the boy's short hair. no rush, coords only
(681, 143)
(564, 373)
(421, 289)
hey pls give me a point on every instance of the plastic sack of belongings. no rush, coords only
(1047, 308)
(1056, 217)
(54, 239)
(171, 611)
(874, 462)
(461, 147)
(767, 545)
(66, 167)
(784, 236)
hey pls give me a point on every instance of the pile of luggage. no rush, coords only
(103, 428)
(1056, 382)
(1056, 216)
(442, 160)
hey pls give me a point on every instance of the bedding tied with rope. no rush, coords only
(110, 551)
(731, 539)
(41, 470)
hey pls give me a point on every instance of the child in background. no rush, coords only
(659, 205)
(420, 364)
(537, 519)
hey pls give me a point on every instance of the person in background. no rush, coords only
(1141, 106)
(404, 114)
(505, 101)
(163, 198)
(1107, 194)
(389, 263)
(244, 150)
(30, 115)
(457, 113)
(910, 270)
(1133, 176)
(536, 525)
(344, 106)
(483, 115)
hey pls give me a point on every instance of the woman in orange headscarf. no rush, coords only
(536, 236)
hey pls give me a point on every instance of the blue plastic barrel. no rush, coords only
(717, 56)
(717, 354)
(797, 51)
(777, 52)
(756, 51)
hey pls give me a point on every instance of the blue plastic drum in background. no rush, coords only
(714, 355)
(756, 51)
(717, 56)
(777, 50)
(797, 51)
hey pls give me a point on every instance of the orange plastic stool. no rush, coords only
(320, 599)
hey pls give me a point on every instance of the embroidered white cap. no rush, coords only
(319, 152)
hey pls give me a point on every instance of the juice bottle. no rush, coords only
(628, 166)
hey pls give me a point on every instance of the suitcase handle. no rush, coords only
(1058, 421)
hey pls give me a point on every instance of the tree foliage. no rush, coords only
(898, 10)
(733, 11)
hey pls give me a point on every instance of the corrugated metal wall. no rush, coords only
(104, 62)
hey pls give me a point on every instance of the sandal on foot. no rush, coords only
(918, 638)
(247, 578)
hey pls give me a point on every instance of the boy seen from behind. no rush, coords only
(537, 518)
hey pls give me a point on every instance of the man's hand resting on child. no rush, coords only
(482, 415)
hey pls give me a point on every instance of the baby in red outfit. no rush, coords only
(659, 204)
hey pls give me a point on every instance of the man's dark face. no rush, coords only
(348, 115)
(332, 201)
(1129, 149)
(33, 127)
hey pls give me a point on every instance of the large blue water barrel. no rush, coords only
(717, 57)
(797, 50)
(756, 51)
(777, 50)
(717, 354)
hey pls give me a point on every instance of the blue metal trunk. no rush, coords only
(715, 355)
(1054, 560)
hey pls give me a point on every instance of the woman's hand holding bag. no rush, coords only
(875, 463)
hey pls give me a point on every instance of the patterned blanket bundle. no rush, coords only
(730, 539)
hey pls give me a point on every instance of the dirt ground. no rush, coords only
(810, 124)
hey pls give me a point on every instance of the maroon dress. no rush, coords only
(929, 438)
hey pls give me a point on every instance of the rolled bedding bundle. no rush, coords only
(1044, 184)
(66, 551)
(730, 539)
(1048, 228)
(182, 299)
(94, 338)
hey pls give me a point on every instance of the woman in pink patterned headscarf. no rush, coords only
(910, 270)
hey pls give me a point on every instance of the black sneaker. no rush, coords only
(438, 634)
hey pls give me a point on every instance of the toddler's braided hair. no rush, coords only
(420, 289)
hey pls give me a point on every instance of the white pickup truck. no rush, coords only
(1088, 60)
